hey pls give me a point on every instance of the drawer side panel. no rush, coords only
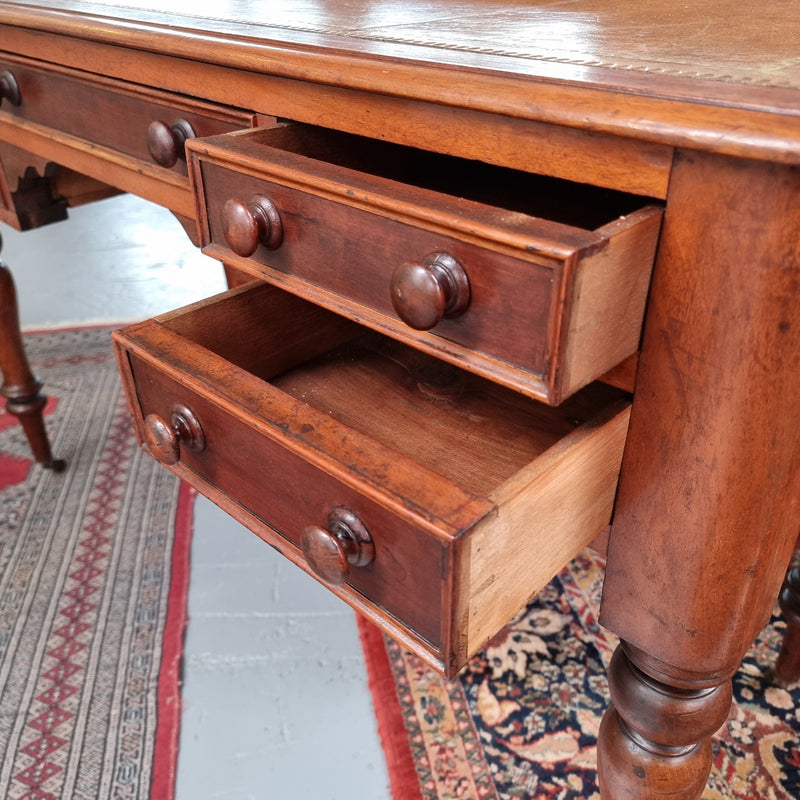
(545, 516)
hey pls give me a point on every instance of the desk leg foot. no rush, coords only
(655, 740)
(787, 667)
(21, 388)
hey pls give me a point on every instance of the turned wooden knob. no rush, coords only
(9, 89)
(164, 439)
(248, 225)
(424, 292)
(331, 552)
(167, 143)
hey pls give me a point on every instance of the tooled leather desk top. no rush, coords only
(713, 74)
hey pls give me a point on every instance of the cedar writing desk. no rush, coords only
(470, 222)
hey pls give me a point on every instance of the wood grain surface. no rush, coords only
(709, 39)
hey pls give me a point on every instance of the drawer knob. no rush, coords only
(167, 143)
(164, 439)
(424, 292)
(9, 89)
(247, 225)
(331, 552)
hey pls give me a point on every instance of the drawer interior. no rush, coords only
(474, 495)
(545, 280)
(557, 200)
(471, 431)
(465, 428)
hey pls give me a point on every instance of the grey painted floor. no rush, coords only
(275, 697)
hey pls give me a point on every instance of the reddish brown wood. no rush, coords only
(638, 166)
(167, 143)
(751, 117)
(9, 88)
(655, 740)
(332, 550)
(240, 228)
(336, 415)
(189, 225)
(161, 441)
(58, 122)
(787, 667)
(35, 201)
(21, 388)
(353, 211)
(107, 112)
(60, 98)
(35, 191)
(706, 513)
(235, 276)
(245, 226)
(597, 95)
(424, 292)
(164, 438)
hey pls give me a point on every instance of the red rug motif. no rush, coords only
(93, 579)
(521, 721)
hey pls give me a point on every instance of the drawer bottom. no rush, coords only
(429, 498)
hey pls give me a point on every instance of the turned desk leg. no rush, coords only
(655, 740)
(21, 388)
(787, 667)
(707, 507)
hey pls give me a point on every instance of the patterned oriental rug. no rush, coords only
(93, 580)
(521, 720)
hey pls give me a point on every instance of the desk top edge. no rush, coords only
(321, 46)
(576, 42)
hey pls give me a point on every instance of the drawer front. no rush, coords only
(303, 425)
(354, 253)
(288, 493)
(138, 122)
(540, 305)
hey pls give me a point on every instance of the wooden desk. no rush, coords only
(693, 107)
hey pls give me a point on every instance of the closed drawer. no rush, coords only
(536, 283)
(430, 499)
(135, 121)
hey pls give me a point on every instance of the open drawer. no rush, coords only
(532, 282)
(429, 498)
